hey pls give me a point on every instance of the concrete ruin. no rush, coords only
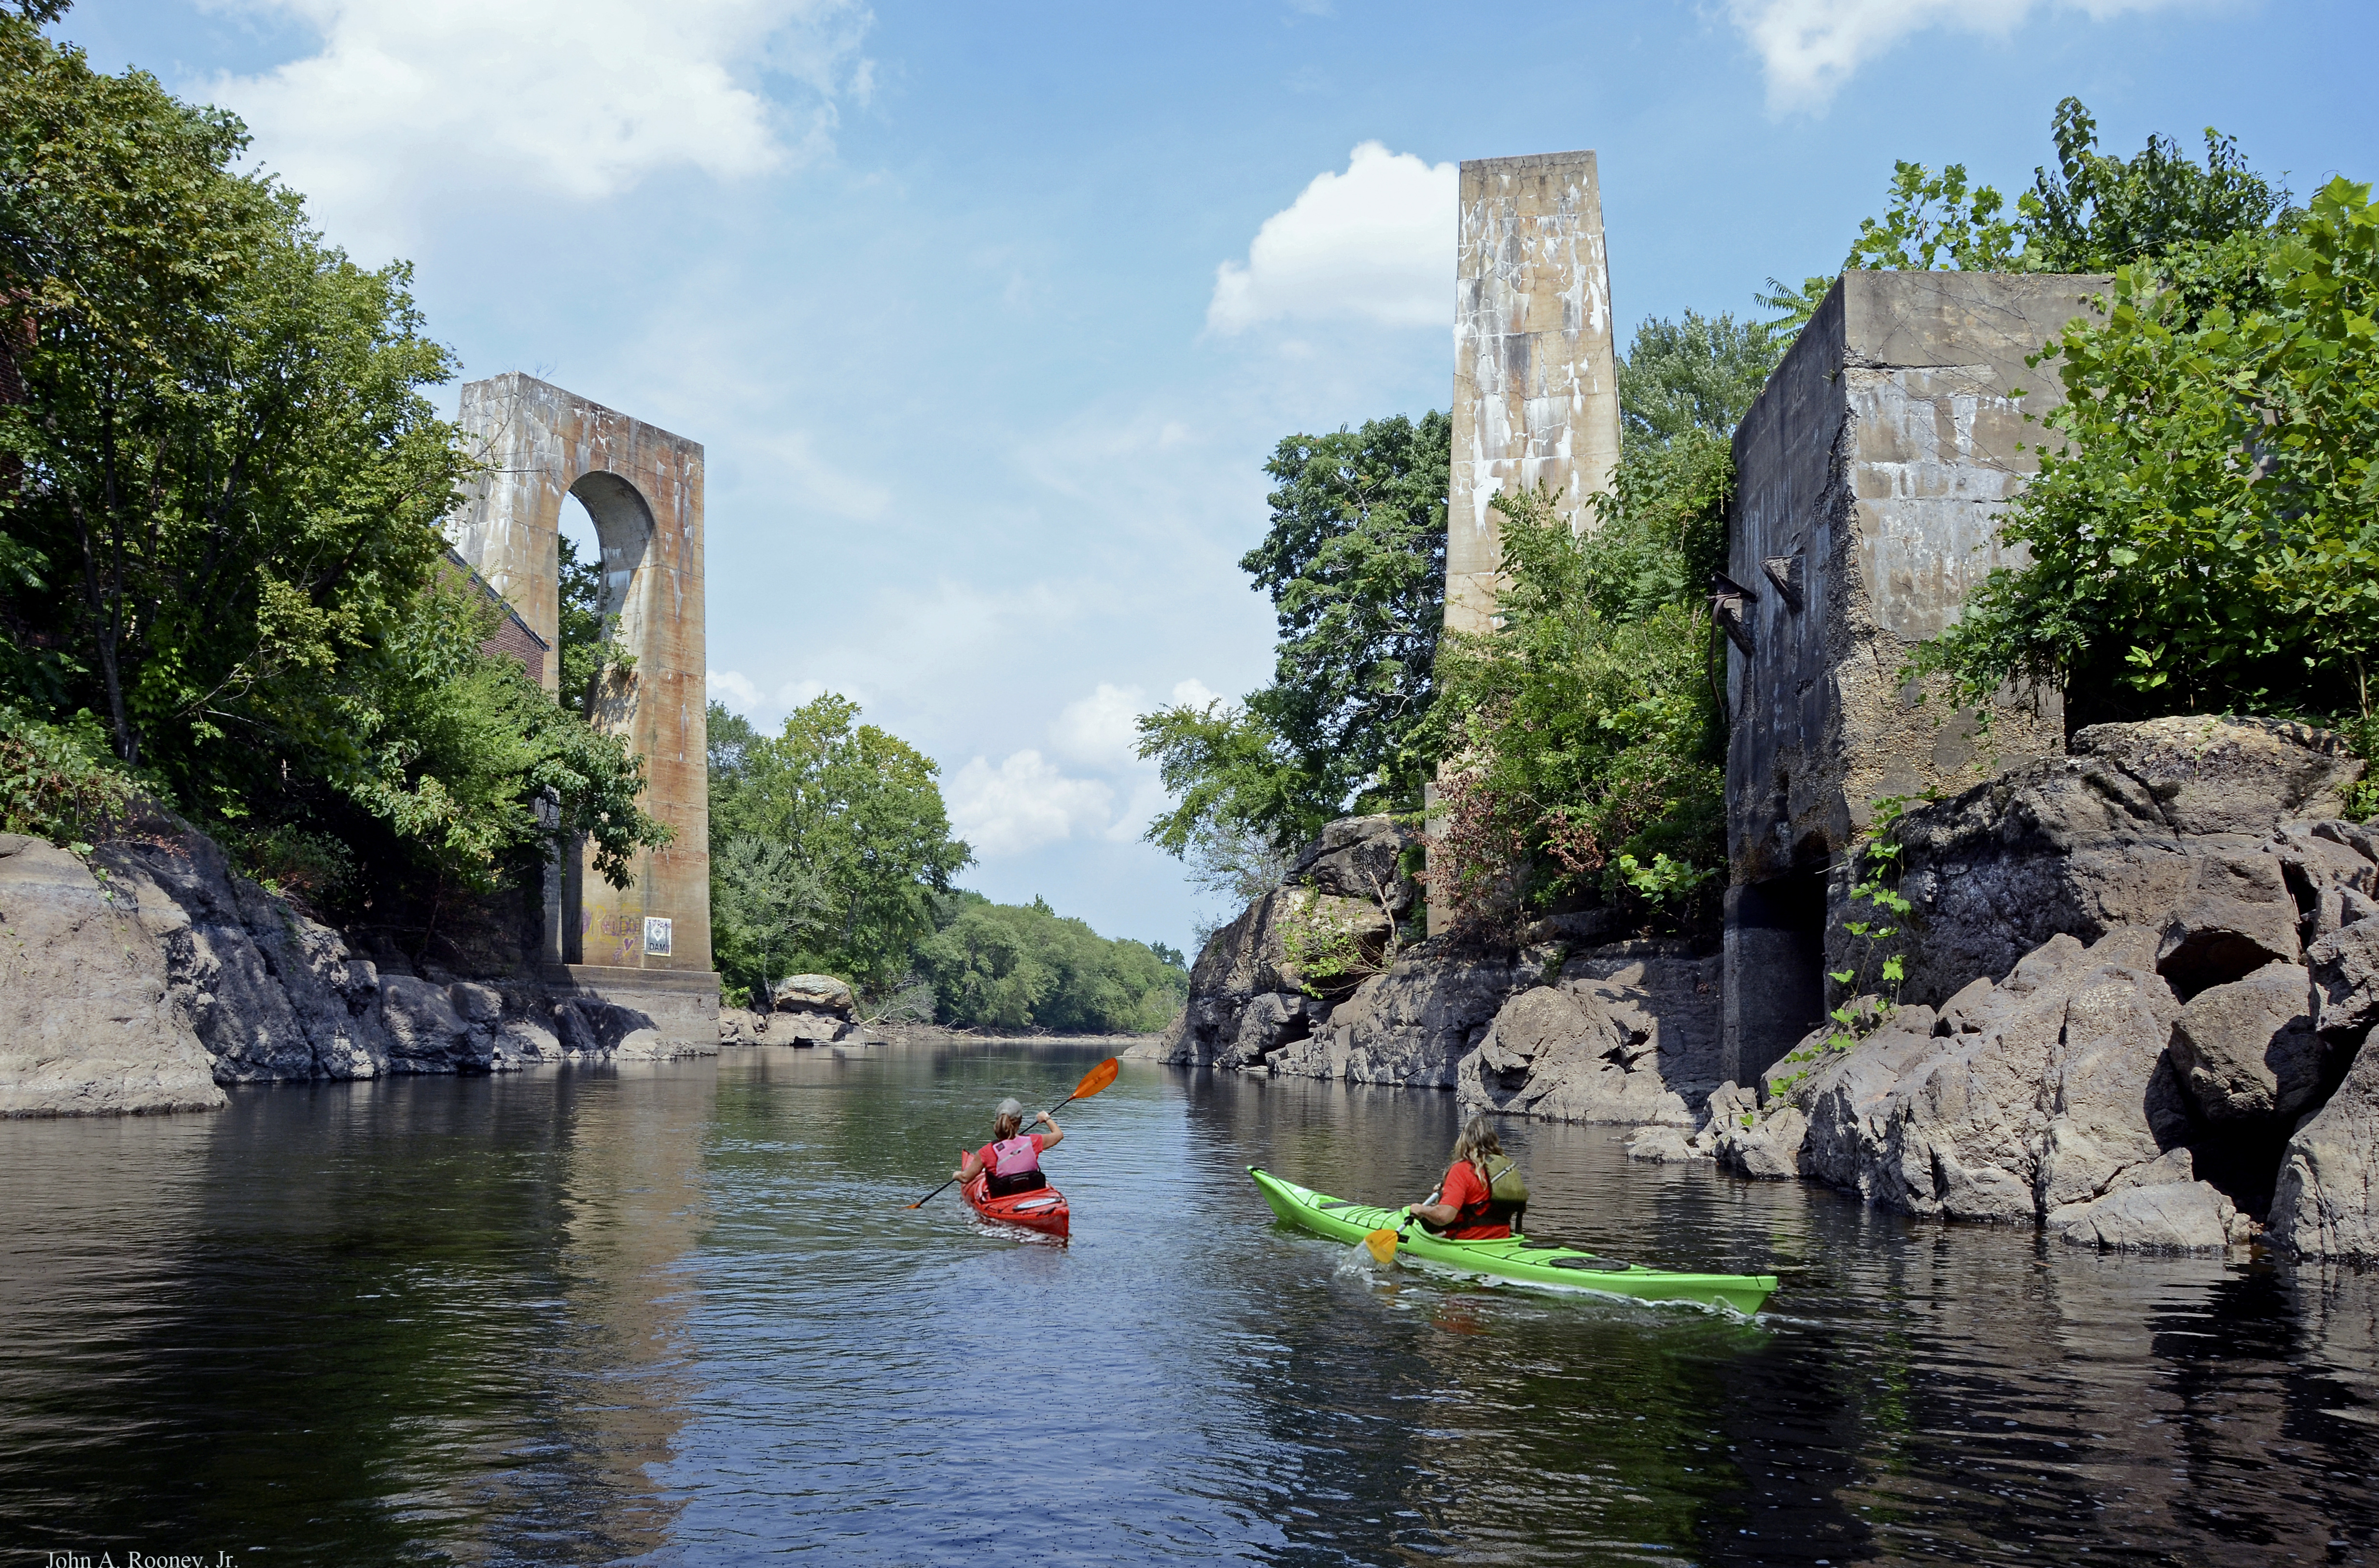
(1869, 479)
(648, 946)
(1536, 381)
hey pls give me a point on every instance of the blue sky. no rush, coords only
(967, 306)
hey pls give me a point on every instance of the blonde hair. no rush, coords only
(1478, 1138)
(1005, 1120)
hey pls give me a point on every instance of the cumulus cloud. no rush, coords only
(1375, 243)
(744, 696)
(579, 99)
(1028, 800)
(1025, 802)
(1809, 48)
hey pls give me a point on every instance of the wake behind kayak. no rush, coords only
(1518, 1258)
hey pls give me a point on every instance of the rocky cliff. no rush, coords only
(2139, 981)
(2139, 978)
(151, 975)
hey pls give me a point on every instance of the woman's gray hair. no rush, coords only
(1009, 1108)
(1008, 1120)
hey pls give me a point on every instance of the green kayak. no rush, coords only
(1518, 1258)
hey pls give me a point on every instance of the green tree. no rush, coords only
(1698, 373)
(590, 651)
(859, 814)
(2096, 213)
(1011, 966)
(1355, 563)
(220, 533)
(2202, 535)
(1584, 739)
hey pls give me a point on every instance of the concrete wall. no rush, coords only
(643, 488)
(1870, 477)
(1535, 387)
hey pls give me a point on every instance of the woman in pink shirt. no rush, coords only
(1013, 1156)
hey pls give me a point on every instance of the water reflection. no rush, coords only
(681, 1315)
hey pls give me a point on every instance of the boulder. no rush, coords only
(2246, 1051)
(427, 1034)
(87, 1022)
(1662, 1145)
(1356, 858)
(2177, 1216)
(1267, 1023)
(1412, 1024)
(2209, 832)
(742, 1026)
(2022, 1097)
(2345, 966)
(808, 1028)
(588, 1026)
(2325, 1204)
(1628, 1036)
(812, 994)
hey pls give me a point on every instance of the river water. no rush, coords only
(677, 1314)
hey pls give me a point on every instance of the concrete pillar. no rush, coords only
(643, 488)
(1535, 383)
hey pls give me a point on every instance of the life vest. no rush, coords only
(1016, 1167)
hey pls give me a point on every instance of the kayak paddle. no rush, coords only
(1383, 1245)
(1098, 1078)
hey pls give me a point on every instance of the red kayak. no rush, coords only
(1043, 1209)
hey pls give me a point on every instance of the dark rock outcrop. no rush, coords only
(150, 977)
(2325, 1202)
(88, 1021)
(1246, 1003)
(2216, 834)
(1628, 1035)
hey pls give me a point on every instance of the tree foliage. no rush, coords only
(2205, 535)
(1698, 373)
(1584, 738)
(1011, 966)
(2095, 213)
(832, 809)
(1355, 563)
(219, 533)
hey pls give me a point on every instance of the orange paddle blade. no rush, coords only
(1098, 1078)
(1382, 1247)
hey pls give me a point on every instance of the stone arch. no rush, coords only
(643, 488)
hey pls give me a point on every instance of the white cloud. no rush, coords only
(1100, 729)
(1024, 803)
(1375, 243)
(408, 103)
(1194, 694)
(743, 695)
(1809, 48)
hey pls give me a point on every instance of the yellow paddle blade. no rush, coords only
(1382, 1246)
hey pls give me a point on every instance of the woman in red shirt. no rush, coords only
(1460, 1210)
(1014, 1162)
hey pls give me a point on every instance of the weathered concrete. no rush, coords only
(1536, 384)
(644, 489)
(1871, 474)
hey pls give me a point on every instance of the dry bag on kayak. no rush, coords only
(1507, 1194)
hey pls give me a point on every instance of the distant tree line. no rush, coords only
(831, 854)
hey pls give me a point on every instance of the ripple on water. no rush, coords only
(683, 1313)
